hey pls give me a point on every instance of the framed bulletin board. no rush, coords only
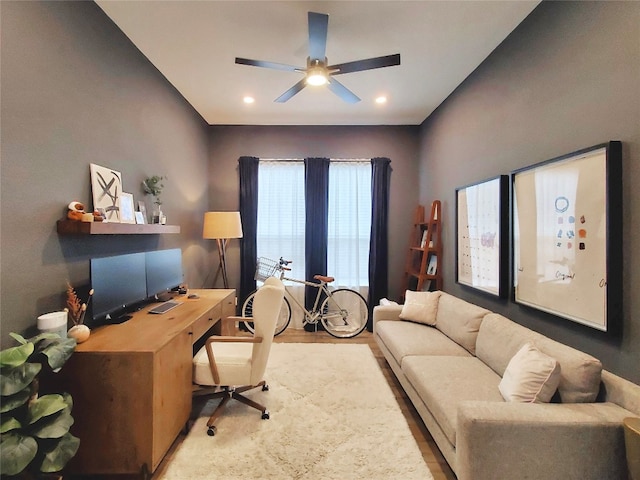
(482, 215)
(567, 233)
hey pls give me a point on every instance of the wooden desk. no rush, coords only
(131, 384)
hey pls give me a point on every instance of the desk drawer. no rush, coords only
(205, 322)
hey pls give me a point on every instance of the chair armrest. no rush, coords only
(223, 339)
(228, 324)
(546, 441)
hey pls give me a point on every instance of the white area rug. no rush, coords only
(333, 416)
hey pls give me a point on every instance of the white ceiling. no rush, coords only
(194, 45)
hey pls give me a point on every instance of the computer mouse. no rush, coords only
(193, 295)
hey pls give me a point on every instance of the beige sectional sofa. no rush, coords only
(452, 371)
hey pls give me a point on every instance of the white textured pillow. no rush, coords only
(531, 376)
(420, 307)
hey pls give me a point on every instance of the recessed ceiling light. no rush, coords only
(248, 99)
(381, 100)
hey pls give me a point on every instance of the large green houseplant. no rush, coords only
(34, 430)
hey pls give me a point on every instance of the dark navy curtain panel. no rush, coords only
(379, 242)
(248, 169)
(316, 175)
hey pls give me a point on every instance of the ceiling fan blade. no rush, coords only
(260, 63)
(291, 92)
(343, 92)
(318, 23)
(367, 64)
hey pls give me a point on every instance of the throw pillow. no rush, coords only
(531, 376)
(420, 307)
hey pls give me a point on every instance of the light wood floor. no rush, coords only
(432, 456)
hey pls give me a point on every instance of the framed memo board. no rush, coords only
(567, 233)
(482, 236)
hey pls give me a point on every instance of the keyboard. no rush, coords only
(164, 307)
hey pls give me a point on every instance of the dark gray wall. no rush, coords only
(567, 78)
(75, 91)
(400, 144)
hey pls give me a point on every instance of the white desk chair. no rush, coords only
(228, 366)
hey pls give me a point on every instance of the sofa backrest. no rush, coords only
(459, 320)
(500, 338)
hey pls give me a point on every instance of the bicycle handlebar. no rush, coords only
(285, 262)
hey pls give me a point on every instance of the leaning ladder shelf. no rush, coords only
(422, 270)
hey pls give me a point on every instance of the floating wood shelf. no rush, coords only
(68, 227)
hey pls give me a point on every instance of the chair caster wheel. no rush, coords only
(265, 415)
(211, 431)
(265, 387)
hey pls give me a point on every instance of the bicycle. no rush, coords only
(343, 312)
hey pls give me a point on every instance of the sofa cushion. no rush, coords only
(443, 382)
(420, 307)
(459, 320)
(406, 338)
(500, 338)
(530, 377)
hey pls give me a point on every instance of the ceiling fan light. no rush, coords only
(316, 76)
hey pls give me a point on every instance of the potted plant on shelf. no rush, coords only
(34, 430)
(153, 186)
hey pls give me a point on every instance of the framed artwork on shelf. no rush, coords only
(106, 187)
(127, 213)
(140, 218)
(482, 235)
(432, 266)
(142, 208)
(567, 236)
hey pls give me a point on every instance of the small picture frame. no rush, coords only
(140, 220)
(432, 267)
(126, 208)
(142, 208)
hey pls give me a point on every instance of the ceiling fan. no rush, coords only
(318, 72)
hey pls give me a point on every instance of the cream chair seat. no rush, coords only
(228, 366)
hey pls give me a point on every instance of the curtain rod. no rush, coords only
(355, 160)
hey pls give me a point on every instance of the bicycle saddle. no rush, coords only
(322, 278)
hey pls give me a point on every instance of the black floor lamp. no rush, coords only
(222, 226)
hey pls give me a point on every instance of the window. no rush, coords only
(281, 218)
(349, 223)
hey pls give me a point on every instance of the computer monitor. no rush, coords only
(163, 271)
(119, 284)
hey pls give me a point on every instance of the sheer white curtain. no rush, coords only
(349, 224)
(281, 220)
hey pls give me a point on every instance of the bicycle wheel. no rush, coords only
(283, 319)
(344, 313)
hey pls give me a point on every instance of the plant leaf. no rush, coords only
(45, 406)
(56, 459)
(14, 356)
(16, 452)
(9, 424)
(57, 427)
(14, 401)
(58, 352)
(18, 338)
(14, 379)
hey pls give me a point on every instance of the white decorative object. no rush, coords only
(79, 332)
(54, 322)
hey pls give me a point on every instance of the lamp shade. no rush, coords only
(222, 225)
